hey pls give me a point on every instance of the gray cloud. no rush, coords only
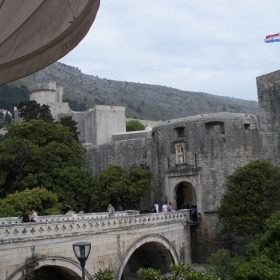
(206, 46)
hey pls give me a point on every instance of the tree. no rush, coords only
(69, 122)
(178, 271)
(11, 96)
(38, 153)
(45, 113)
(140, 184)
(31, 110)
(262, 259)
(134, 125)
(8, 118)
(252, 196)
(2, 137)
(44, 201)
(121, 188)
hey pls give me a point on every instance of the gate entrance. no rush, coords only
(185, 195)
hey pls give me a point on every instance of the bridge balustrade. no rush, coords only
(12, 230)
(57, 218)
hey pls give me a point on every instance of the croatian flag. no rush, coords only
(272, 38)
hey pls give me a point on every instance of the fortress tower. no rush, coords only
(49, 94)
(96, 126)
(269, 109)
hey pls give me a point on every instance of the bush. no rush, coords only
(106, 274)
(179, 271)
(134, 125)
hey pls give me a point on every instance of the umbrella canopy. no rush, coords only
(36, 33)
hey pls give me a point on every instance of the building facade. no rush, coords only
(189, 157)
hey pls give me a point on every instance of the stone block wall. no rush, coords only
(269, 108)
(29, 246)
(108, 121)
(213, 146)
(125, 153)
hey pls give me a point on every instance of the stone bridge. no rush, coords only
(124, 243)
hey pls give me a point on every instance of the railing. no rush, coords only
(79, 224)
(71, 217)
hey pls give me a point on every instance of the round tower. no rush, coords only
(44, 93)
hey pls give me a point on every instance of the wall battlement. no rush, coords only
(51, 86)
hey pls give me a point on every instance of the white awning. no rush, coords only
(36, 33)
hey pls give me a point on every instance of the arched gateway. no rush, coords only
(183, 191)
(185, 195)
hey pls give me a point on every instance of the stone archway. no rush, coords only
(153, 251)
(50, 268)
(185, 195)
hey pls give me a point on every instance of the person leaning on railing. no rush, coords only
(25, 217)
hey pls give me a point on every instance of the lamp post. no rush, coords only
(82, 250)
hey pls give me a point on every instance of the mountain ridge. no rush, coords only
(142, 101)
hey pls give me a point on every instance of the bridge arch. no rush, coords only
(158, 241)
(62, 264)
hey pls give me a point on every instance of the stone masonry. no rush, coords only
(190, 157)
(123, 243)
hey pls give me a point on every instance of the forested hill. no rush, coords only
(11, 96)
(143, 101)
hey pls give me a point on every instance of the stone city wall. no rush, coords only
(269, 99)
(125, 153)
(214, 145)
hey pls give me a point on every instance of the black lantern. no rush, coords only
(82, 250)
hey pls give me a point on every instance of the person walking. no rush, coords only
(155, 208)
(164, 207)
(111, 210)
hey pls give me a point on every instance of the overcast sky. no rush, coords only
(212, 46)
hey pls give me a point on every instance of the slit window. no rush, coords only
(247, 126)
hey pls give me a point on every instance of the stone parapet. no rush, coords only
(59, 218)
(131, 135)
(84, 225)
(42, 86)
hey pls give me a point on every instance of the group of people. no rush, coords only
(28, 218)
(166, 207)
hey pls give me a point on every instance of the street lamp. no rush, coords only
(82, 250)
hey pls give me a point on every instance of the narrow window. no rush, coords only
(179, 132)
(247, 126)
